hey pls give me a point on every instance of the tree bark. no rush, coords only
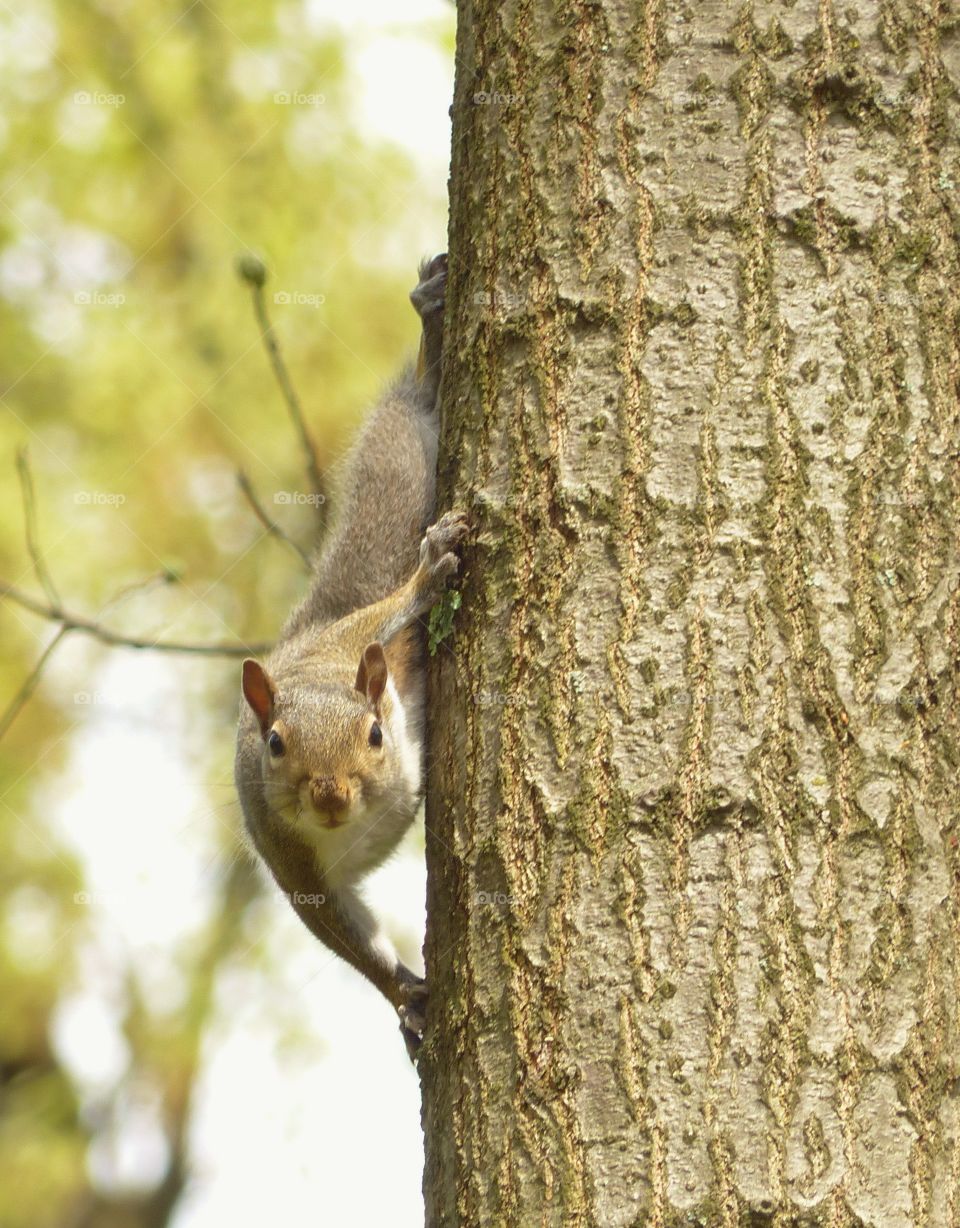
(694, 877)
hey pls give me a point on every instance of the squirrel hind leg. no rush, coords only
(429, 297)
(428, 293)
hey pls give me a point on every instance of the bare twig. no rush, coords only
(53, 610)
(88, 626)
(30, 684)
(30, 524)
(271, 526)
(139, 586)
(254, 273)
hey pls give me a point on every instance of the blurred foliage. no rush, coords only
(145, 147)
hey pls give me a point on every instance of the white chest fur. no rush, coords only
(348, 853)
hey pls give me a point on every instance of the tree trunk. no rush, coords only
(693, 813)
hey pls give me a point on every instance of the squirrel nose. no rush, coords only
(328, 794)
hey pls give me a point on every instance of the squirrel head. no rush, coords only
(329, 751)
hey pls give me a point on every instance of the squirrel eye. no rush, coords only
(275, 742)
(376, 734)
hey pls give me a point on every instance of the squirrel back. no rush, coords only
(384, 497)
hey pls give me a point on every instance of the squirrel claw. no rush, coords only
(430, 268)
(442, 538)
(437, 558)
(412, 1042)
(413, 1016)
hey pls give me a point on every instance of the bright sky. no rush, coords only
(325, 1130)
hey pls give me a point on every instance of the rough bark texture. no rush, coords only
(693, 825)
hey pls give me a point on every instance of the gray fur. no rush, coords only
(385, 501)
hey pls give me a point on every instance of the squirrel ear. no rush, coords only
(259, 692)
(372, 674)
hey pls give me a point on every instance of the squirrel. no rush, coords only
(329, 762)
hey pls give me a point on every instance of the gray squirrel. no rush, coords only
(329, 764)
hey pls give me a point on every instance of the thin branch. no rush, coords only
(88, 626)
(139, 586)
(269, 338)
(254, 273)
(271, 526)
(30, 683)
(66, 621)
(30, 524)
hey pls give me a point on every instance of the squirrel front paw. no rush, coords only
(437, 557)
(413, 1015)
